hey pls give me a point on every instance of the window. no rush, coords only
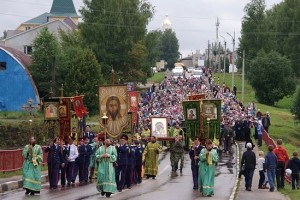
(2, 66)
(27, 28)
(28, 50)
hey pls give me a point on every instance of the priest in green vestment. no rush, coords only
(106, 155)
(150, 155)
(207, 159)
(33, 158)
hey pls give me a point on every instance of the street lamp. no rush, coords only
(233, 41)
(104, 122)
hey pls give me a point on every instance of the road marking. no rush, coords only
(162, 171)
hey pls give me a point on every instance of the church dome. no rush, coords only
(167, 24)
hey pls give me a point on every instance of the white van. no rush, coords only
(177, 72)
(197, 73)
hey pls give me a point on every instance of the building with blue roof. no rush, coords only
(17, 85)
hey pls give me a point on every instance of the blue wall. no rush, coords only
(16, 87)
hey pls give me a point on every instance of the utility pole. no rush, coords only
(243, 77)
(233, 58)
(219, 59)
(224, 62)
(208, 51)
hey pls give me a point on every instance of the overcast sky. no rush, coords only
(192, 20)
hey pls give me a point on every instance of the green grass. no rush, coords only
(157, 77)
(17, 173)
(282, 121)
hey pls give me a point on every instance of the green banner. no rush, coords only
(192, 116)
(211, 114)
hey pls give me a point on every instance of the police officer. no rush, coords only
(89, 134)
(54, 160)
(194, 156)
(138, 161)
(130, 173)
(63, 169)
(122, 161)
(85, 152)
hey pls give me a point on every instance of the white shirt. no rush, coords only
(260, 163)
(73, 153)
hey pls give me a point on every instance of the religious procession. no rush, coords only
(181, 116)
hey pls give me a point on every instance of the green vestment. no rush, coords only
(207, 171)
(95, 147)
(106, 172)
(31, 169)
(151, 153)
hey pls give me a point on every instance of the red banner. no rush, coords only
(133, 97)
(79, 106)
(230, 58)
(64, 111)
(196, 97)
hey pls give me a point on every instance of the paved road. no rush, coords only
(166, 186)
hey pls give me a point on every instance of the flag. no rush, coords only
(79, 106)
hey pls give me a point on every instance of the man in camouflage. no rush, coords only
(176, 153)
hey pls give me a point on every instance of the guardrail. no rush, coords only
(12, 160)
(269, 141)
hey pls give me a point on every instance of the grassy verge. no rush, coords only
(157, 77)
(282, 121)
(17, 173)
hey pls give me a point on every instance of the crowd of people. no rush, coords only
(115, 164)
(119, 164)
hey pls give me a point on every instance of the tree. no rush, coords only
(43, 68)
(253, 31)
(79, 70)
(111, 28)
(152, 43)
(296, 105)
(270, 80)
(169, 48)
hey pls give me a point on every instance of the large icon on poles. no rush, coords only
(113, 103)
(159, 127)
(51, 111)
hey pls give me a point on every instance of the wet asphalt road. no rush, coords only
(165, 186)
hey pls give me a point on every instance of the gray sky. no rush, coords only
(192, 20)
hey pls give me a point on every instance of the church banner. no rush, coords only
(64, 111)
(211, 118)
(191, 111)
(133, 98)
(51, 109)
(113, 100)
(79, 106)
(196, 96)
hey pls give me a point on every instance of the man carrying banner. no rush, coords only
(85, 152)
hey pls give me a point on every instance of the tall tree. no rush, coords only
(43, 68)
(111, 28)
(169, 47)
(270, 80)
(253, 30)
(152, 43)
(79, 70)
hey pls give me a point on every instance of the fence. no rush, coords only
(12, 160)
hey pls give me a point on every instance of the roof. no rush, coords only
(12, 33)
(41, 19)
(71, 23)
(63, 8)
(23, 58)
(39, 27)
